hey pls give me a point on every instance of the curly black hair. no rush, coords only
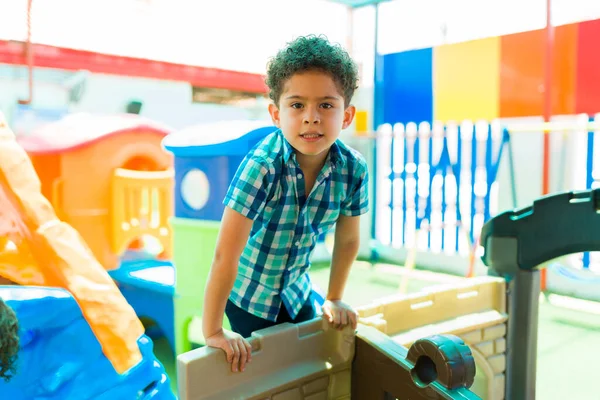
(9, 341)
(312, 53)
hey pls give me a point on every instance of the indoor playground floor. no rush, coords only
(568, 342)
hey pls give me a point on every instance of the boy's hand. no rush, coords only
(340, 314)
(237, 348)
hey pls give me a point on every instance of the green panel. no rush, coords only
(194, 243)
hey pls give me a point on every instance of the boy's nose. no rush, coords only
(311, 117)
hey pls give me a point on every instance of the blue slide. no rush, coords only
(60, 357)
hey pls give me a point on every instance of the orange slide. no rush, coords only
(36, 248)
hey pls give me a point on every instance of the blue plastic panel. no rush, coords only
(60, 357)
(217, 139)
(218, 160)
(406, 89)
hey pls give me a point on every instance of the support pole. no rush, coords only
(547, 109)
(521, 348)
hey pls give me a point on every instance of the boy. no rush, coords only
(294, 185)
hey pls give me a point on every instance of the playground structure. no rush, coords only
(473, 309)
(517, 245)
(204, 165)
(479, 318)
(128, 195)
(312, 360)
(39, 249)
(126, 190)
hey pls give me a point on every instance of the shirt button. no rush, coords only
(297, 244)
(299, 176)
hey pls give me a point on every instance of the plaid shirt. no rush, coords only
(269, 188)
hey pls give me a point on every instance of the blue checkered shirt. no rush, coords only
(268, 188)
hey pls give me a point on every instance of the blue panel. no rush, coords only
(407, 86)
(219, 171)
(217, 150)
(60, 357)
(149, 287)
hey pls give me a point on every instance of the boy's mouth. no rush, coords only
(311, 135)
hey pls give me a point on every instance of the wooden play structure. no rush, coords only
(473, 309)
(108, 177)
(313, 361)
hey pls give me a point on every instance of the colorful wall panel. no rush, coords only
(522, 74)
(406, 90)
(466, 80)
(494, 77)
(587, 99)
(564, 69)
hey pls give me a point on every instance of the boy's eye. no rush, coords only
(326, 105)
(296, 105)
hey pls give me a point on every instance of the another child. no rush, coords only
(296, 184)
(9, 341)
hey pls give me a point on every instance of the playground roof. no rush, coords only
(81, 129)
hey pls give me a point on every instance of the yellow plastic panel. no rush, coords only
(466, 80)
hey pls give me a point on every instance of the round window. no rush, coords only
(195, 189)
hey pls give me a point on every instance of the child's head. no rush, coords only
(312, 54)
(9, 341)
(311, 83)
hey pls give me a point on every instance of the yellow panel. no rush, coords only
(466, 80)
(361, 119)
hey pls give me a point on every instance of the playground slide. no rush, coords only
(60, 357)
(38, 249)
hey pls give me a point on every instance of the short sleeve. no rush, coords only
(357, 201)
(247, 193)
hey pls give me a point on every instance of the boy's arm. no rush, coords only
(233, 235)
(345, 250)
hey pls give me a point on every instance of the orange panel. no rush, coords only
(522, 74)
(563, 70)
(588, 67)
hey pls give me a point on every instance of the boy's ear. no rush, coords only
(274, 111)
(348, 116)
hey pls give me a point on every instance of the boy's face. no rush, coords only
(311, 113)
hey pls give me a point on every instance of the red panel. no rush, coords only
(587, 98)
(522, 74)
(69, 59)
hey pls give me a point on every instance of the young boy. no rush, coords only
(296, 184)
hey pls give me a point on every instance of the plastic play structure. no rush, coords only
(61, 357)
(88, 239)
(473, 309)
(517, 244)
(132, 190)
(311, 360)
(204, 165)
(82, 326)
(124, 195)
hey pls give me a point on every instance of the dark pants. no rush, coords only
(245, 323)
